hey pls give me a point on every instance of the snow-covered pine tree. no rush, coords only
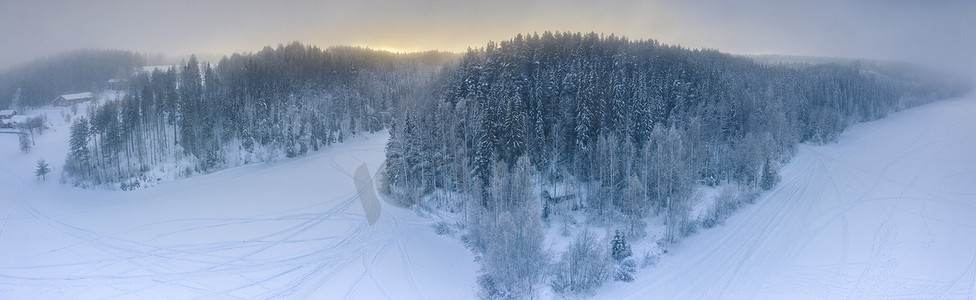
(190, 92)
(77, 164)
(25, 143)
(619, 249)
(620, 252)
(515, 136)
(770, 175)
(42, 169)
(483, 161)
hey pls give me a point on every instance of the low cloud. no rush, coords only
(938, 33)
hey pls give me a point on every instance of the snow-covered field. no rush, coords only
(294, 228)
(889, 211)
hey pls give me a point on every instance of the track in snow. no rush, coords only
(887, 212)
(289, 229)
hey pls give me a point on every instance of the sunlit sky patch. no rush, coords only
(941, 33)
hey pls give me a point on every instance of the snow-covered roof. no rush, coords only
(19, 119)
(77, 96)
(7, 112)
(114, 80)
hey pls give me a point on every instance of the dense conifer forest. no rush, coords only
(279, 102)
(515, 137)
(631, 127)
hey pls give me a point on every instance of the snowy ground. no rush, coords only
(294, 228)
(887, 212)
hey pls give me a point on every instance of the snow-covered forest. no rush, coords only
(597, 142)
(632, 127)
(279, 102)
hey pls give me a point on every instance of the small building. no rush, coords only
(116, 84)
(7, 114)
(72, 99)
(16, 121)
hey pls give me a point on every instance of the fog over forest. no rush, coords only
(940, 33)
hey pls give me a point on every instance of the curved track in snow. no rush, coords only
(889, 211)
(287, 229)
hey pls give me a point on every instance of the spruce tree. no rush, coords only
(619, 247)
(79, 156)
(770, 176)
(42, 169)
(25, 143)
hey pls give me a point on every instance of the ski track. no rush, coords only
(320, 246)
(886, 212)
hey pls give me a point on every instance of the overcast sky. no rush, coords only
(940, 32)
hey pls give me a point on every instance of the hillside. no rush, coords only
(293, 228)
(886, 212)
(606, 138)
(547, 166)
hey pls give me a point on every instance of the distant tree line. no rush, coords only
(637, 125)
(283, 101)
(37, 83)
(629, 128)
